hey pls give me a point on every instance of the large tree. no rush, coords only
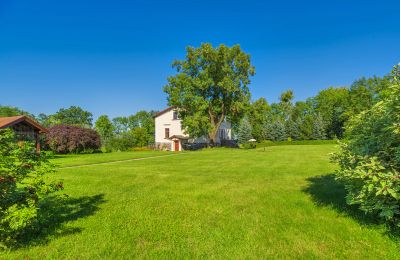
(211, 84)
(73, 115)
(331, 103)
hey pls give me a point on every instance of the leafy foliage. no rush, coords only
(122, 142)
(72, 139)
(74, 115)
(211, 84)
(23, 187)
(258, 117)
(105, 128)
(369, 158)
(6, 111)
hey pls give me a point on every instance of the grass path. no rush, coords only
(119, 161)
(218, 203)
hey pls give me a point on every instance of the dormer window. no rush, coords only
(175, 115)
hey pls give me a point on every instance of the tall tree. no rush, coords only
(74, 115)
(258, 116)
(105, 128)
(331, 103)
(211, 84)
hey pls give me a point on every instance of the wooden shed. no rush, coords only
(24, 127)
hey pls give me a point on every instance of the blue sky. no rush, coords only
(113, 57)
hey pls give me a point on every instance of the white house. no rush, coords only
(169, 134)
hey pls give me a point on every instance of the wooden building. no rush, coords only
(24, 127)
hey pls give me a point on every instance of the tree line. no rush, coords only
(74, 125)
(323, 116)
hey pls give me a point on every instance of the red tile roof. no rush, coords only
(12, 120)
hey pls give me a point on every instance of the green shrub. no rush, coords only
(23, 186)
(369, 157)
(248, 145)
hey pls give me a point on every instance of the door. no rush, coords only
(176, 145)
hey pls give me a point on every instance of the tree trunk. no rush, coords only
(213, 137)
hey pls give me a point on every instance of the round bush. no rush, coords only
(72, 139)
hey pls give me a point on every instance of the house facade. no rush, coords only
(24, 127)
(170, 136)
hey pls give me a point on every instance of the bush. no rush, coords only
(123, 142)
(72, 139)
(369, 157)
(248, 145)
(23, 187)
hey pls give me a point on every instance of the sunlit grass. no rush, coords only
(215, 203)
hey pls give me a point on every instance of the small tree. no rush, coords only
(23, 186)
(244, 131)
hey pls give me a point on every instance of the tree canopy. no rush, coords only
(211, 84)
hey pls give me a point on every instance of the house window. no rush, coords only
(222, 134)
(166, 132)
(175, 115)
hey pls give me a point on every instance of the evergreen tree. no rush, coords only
(275, 130)
(318, 130)
(244, 131)
(292, 129)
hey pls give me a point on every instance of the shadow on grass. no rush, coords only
(54, 213)
(328, 192)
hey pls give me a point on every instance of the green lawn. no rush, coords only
(216, 203)
(83, 159)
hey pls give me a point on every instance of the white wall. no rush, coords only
(166, 120)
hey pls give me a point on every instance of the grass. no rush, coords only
(215, 203)
(68, 160)
(300, 142)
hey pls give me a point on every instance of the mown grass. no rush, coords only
(215, 203)
(83, 159)
(300, 142)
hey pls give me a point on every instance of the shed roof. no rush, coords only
(13, 120)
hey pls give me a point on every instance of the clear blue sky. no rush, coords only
(113, 57)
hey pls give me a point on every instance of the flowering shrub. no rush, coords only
(369, 158)
(72, 139)
(23, 186)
